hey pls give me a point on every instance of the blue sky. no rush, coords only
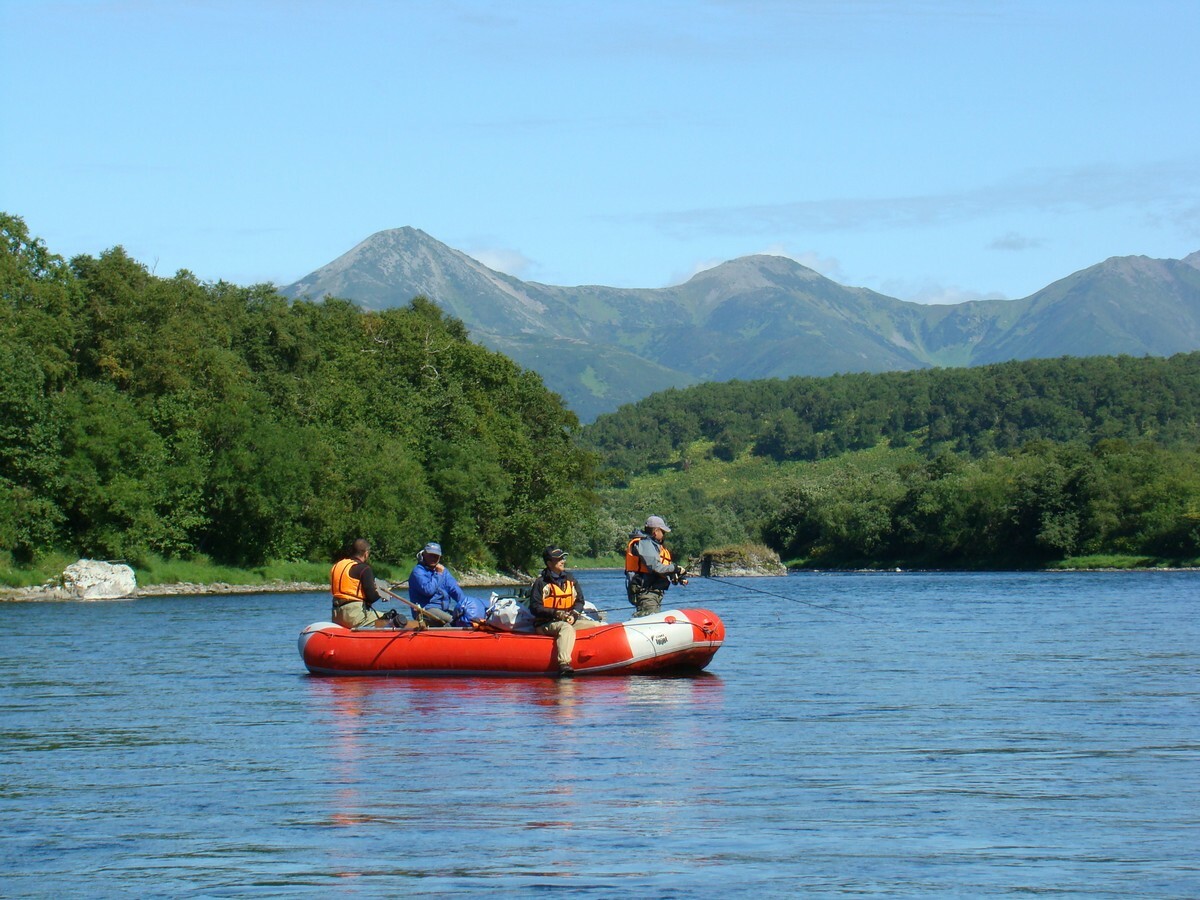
(934, 150)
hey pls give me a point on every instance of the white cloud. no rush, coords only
(934, 293)
(502, 259)
(1014, 241)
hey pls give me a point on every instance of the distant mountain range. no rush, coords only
(760, 317)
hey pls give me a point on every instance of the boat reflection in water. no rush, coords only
(401, 748)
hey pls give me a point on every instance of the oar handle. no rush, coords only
(440, 616)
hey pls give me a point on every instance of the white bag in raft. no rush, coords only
(507, 614)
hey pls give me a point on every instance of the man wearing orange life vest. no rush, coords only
(556, 601)
(649, 570)
(352, 582)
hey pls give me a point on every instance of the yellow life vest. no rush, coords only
(634, 561)
(559, 596)
(345, 588)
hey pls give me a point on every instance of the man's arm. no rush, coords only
(452, 588)
(420, 589)
(578, 607)
(366, 579)
(539, 611)
(648, 551)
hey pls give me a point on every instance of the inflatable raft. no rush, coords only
(675, 640)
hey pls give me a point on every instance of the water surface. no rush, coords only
(956, 735)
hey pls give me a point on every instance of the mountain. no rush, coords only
(760, 317)
(1129, 304)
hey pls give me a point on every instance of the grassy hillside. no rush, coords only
(1014, 465)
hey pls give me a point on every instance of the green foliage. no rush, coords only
(1018, 464)
(164, 418)
(976, 411)
(46, 569)
(890, 507)
(155, 570)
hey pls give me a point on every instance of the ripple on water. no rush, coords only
(970, 735)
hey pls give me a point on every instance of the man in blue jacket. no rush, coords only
(430, 584)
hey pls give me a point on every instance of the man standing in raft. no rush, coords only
(556, 601)
(352, 582)
(649, 571)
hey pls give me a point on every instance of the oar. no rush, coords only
(440, 616)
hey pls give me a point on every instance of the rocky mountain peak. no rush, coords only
(759, 316)
(757, 270)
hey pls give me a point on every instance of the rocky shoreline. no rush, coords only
(51, 592)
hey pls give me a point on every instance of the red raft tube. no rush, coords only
(672, 641)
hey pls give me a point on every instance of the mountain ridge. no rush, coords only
(759, 316)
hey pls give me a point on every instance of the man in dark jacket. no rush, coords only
(649, 569)
(352, 583)
(556, 601)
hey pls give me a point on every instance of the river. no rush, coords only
(892, 734)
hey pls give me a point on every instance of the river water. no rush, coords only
(957, 735)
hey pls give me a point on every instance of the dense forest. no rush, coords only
(149, 415)
(1019, 464)
(164, 416)
(972, 411)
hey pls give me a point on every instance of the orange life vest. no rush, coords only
(559, 596)
(634, 561)
(345, 588)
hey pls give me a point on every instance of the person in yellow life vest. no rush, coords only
(556, 601)
(649, 569)
(352, 582)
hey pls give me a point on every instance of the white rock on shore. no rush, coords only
(91, 579)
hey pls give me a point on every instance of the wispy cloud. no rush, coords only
(1160, 188)
(502, 259)
(938, 294)
(1016, 242)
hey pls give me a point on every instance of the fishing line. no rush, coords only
(832, 609)
(746, 587)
